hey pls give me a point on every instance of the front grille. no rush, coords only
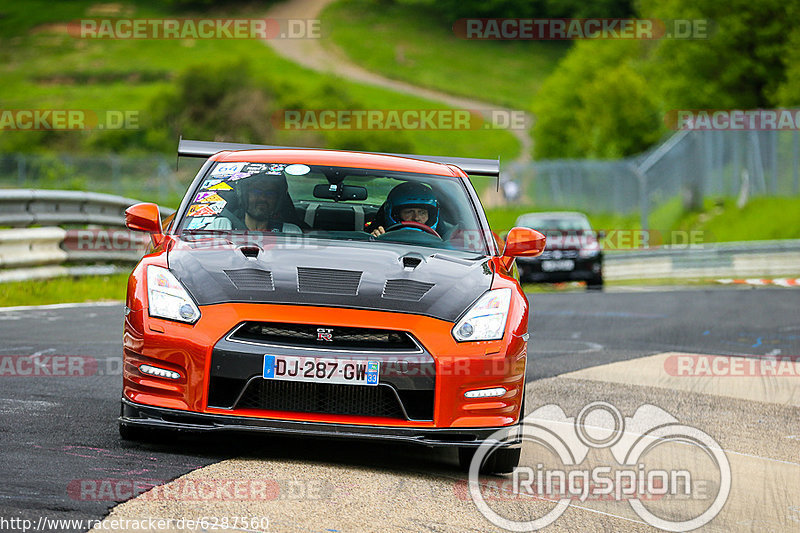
(328, 281)
(342, 338)
(323, 398)
(405, 289)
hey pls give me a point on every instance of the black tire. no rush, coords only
(595, 284)
(501, 461)
(465, 458)
(505, 460)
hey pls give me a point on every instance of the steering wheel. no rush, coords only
(408, 224)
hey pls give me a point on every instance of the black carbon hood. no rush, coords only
(359, 275)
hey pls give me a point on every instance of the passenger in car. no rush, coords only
(261, 203)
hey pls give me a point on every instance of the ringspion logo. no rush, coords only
(660, 491)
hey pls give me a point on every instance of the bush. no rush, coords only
(596, 104)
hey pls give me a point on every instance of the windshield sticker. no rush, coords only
(227, 168)
(255, 167)
(222, 186)
(202, 195)
(200, 210)
(238, 176)
(277, 167)
(200, 223)
(209, 183)
(205, 210)
(208, 197)
(298, 170)
(218, 206)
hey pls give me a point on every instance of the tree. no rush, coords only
(597, 104)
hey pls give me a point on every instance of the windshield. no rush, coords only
(338, 203)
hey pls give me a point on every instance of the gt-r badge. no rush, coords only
(325, 334)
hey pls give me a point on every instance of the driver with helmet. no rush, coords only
(408, 202)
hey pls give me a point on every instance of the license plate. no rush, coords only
(564, 264)
(321, 370)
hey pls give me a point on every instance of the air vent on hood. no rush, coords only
(410, 262)
(328, 281)
(251, 279)
(405, 289)
(250, 251)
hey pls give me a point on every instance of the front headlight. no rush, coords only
(486, 320)
(166, 297)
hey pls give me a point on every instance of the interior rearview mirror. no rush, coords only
(339, 192)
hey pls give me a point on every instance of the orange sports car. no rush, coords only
(329, 293)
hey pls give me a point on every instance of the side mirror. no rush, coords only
(144, 217)
(524, 242)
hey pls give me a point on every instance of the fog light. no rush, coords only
(160, 372)
(485, 393)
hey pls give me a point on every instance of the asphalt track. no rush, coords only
(58, 434)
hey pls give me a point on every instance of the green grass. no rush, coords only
(401, 42)
(61, 290)
(719, 221)
(44, 67)
(761, 219)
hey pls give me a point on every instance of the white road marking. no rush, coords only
(60, 306)
(11, 406)
(17, 349)
(652, 371)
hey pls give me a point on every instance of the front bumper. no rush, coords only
(138, 415)
(584, 269)
(459, 367)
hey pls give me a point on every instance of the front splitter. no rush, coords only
(138, 415)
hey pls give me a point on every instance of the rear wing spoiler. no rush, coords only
(470, 165)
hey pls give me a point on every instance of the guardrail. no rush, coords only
(720, 260)
(29, 253)
(26, 207)
(35, 253)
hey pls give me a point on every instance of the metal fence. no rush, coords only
(689, 166)
(151, 178)
(40, 252)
